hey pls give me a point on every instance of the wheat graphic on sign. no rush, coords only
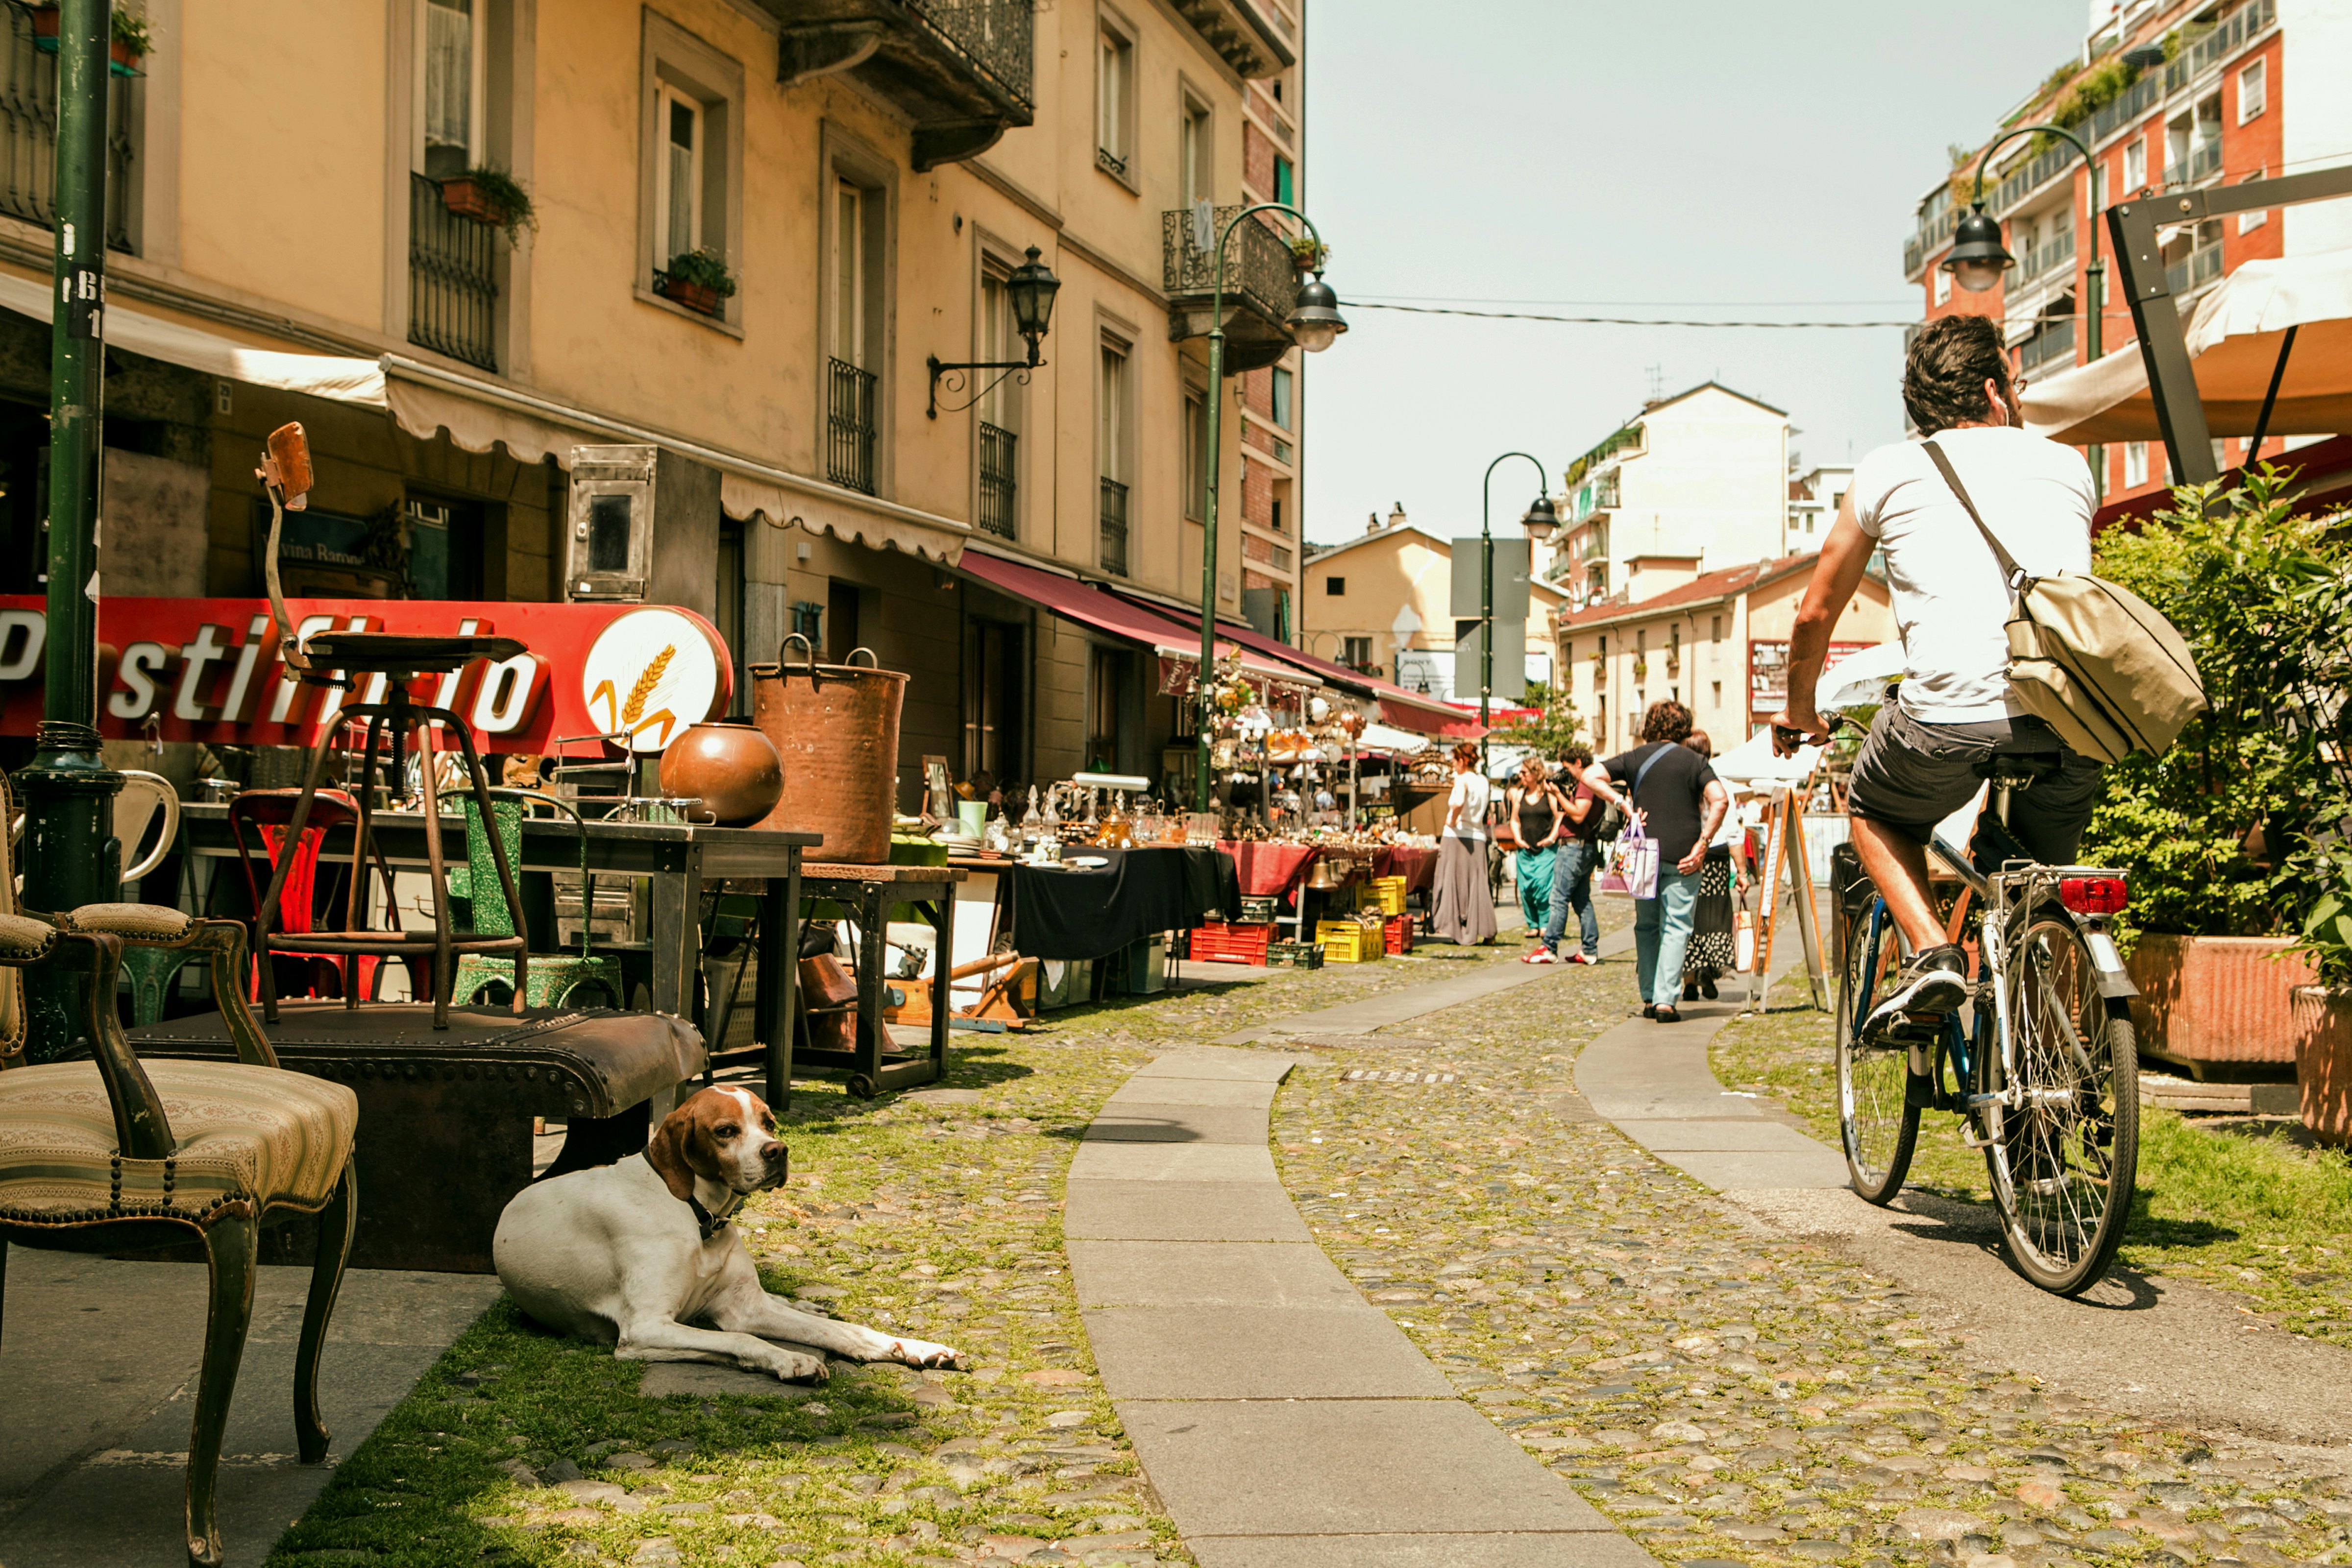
(632, 716)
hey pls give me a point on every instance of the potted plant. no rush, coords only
(131, 38)
(490, 196)
(1308, 255)
(2220, 834)
(697, 280)
(2322, 1012)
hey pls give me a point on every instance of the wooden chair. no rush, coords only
(110, 1155)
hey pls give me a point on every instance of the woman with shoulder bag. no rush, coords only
(1537, 816)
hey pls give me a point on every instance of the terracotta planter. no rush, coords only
(466, 198)
(2323, 1059)
(698, 297)
(2217, 1005)
(729, 766)
(127, 60)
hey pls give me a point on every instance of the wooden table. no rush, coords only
(678, 857)
(870, 891)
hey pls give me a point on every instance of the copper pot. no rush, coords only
(836, 727)
(728, 764)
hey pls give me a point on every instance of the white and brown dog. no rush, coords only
(634, 1254)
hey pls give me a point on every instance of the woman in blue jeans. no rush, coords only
(1576, 855)
(1673, 791)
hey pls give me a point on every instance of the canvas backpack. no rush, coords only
(2089, 657)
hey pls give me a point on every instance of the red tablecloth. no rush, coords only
(1269, 869)
(1417, 866)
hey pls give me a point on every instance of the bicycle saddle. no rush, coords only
(2018, 770)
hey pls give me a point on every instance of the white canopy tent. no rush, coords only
(2234, 338)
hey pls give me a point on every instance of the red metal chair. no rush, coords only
(268, 813)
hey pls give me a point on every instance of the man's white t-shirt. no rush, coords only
(1950, 601)
(1471, 793)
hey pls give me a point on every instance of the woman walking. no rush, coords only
(1539, 816)
(1711, 951)
(1464, 912)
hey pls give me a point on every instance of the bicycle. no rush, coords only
(2046, 1073)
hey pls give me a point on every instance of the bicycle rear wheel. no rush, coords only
(2063, 1159)
(1879, 1129)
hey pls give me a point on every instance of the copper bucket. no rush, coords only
(836, 727)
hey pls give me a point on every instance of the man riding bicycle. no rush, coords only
(1925, 755)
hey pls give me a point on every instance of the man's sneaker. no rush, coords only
(1580, 959)
(1541, 956)
(1934, 981)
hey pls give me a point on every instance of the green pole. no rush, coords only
(1209, 488)
(71, 856)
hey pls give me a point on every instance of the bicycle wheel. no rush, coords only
(2062, 1162)
(1880, 1131)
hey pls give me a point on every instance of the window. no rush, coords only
(678, 177)
(1278, 517)
(1114, 104)
(992, 700)
(2135, 463)
(2253, 85)
(1199, 171)
(1283, 387)
(449, 84)
(1000, 411)
(1110, 447)
(2249, 222)
(1943, 287)
(848, 270)
(1107, 682)
(1334, 587)
(1196, 451)
(1356, 653)
(1715, 625)
(2135, 164)
(444, 547)
(853, 335)
(841, 619)
(1285, 184)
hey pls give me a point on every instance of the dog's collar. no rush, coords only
(712, 1224)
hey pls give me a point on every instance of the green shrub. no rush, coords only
(705, 266)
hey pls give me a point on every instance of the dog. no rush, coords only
(634, 1254)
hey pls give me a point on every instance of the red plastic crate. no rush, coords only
(1223, 942)
(1396, 936)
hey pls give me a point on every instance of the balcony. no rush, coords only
(2046, 258)
(2031, 177)
(1248, 35)
(2227, 38)
(1261, 286)
(963, 71)
(2053, 342)
(28, 136)
(998, 488)
(2195, 270)
(452, 292)
(850, 426)
(1113, 557)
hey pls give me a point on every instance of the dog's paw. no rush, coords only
(922, 1352)
(794, 1367)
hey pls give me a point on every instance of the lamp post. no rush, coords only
(1540, 521)
(1978, 258)
(1314, 325)
(70, 855)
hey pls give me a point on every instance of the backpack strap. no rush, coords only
(2015, 575)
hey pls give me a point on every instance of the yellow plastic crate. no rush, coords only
(1388, 894)
(1348, 941)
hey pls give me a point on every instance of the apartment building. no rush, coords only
(2222, 108)
(1814, 497)
(1697, 481)
(754, 225)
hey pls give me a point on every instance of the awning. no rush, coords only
(1088, 605)
(1404, 709)
(2234, 337)
(352, 381)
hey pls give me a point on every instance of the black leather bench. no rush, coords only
(445, 1133)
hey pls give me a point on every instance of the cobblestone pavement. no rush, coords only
(1725, 1393)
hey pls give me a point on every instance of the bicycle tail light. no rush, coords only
(2093, 894)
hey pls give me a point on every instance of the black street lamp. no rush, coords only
(1030, 292)
(1540, 521)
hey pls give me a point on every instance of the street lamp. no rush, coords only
(1315, 324)
(1541, 522)
(1978, 258)
(1030, 291)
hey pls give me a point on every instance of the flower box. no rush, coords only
(2217, 1005)
(464, 197)
(2323, 1059)
(699, 297)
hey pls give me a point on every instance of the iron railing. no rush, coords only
(2054, 341)
(2223, 41)
(1114, 529)
(1258, 265)
(2047, 257)
(998, 488)
(28, 136)
(2196, 269)
(2204, 162)
(452, 297)
(850, 426)
(994, 36)
(2036, 172)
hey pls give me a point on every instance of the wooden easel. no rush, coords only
(1784, 844)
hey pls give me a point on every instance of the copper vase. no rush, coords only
(837, 727)
(728, 764)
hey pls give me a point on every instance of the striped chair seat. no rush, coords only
(246, 1135)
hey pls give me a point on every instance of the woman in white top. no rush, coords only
(1464, 912)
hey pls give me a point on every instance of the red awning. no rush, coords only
(1419, 714)
(1090, 605)
(2323, 484)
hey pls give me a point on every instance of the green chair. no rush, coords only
(556, 980)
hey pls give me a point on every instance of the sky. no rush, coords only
(1727, 158)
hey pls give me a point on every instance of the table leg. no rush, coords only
(943, 965)
(780, 946)
(675, 939)
(872, 956)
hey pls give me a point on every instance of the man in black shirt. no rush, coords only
(1672, 792)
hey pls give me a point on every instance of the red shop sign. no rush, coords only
(209, 670)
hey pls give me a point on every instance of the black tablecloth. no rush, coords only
(1087, 913)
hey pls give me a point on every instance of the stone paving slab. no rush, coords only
(1140, 1121)
(1179, 1211)
(1233, 1066)
(1257, 1353)
(1747, 1133)
(1254, 1093)
(1172, 1162)
(1322, 1467)
(1208, 1274)
(1734, 1170)
(1530, 1549)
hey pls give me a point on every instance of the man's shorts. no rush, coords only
(1911, 776)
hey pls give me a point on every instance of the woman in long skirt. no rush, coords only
(1712, 949)
(1465, 906)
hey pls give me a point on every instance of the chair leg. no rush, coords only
(234, 1242)
(337, 1221)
